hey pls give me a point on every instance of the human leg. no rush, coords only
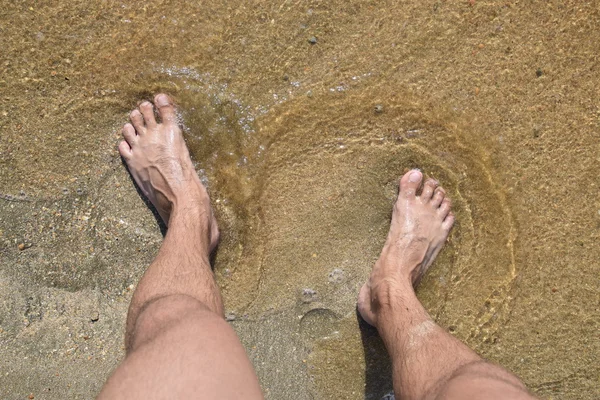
(428, 363)
(178, 343)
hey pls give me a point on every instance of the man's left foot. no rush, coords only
(420, 226)
(160, 163)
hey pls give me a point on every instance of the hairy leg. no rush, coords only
(178, 343)
(428, 363)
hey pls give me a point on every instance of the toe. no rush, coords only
(129, 134)
(138, 121)
(445, 207)
(124, 149)
(147, 111)
(448, 221)
(438, 197)
(166, 110)
(428, 189)
(410, 182)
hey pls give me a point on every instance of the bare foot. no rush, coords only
(419, 228)
(160, 163)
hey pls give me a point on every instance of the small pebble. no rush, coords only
(31, 396)
(539, 72)
(230, 317)
(312, 40)
(378, 108)
(337, 276)
(21, 246)
(95, 316)
(308, 295)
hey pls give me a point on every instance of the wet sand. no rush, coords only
(301, 144)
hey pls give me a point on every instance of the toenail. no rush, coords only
(145, 103)
(414, 176)
(162, 100)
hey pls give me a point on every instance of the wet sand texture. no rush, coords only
(300, 117)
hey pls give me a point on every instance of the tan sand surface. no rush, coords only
(300, 116)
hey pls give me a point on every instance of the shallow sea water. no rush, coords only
(301, 145)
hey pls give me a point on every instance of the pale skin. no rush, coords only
(180, 346)
(427, 362)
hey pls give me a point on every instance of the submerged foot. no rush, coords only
(160, 163)
(419, 228)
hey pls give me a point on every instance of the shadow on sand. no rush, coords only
(378, 373)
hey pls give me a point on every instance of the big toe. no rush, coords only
(410, 182)
(166, 109)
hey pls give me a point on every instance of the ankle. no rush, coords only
(394, 262)
(390, 267)
(191, 212)
(390, 295)
(191, 196)
(397, 311)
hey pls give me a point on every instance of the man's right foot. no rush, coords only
(419, 228)
(160, 163)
